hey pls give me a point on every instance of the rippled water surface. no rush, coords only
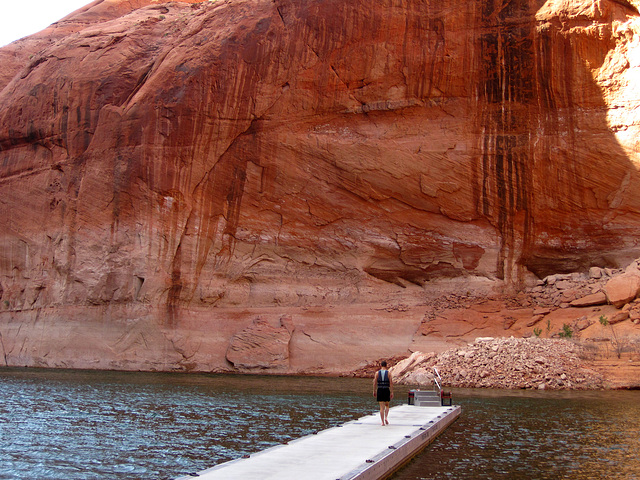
(107, 425)
(536, 435)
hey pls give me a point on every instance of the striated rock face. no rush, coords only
(261, 346)
(170, 171)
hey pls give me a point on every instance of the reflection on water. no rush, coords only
(536, 435)
(106, 425)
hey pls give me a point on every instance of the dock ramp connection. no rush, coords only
(358, 450)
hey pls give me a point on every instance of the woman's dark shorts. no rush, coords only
(383, 395)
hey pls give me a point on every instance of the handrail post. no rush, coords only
(435, 379)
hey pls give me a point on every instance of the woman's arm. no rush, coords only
(375, 384)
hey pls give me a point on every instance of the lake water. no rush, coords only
(61, 424)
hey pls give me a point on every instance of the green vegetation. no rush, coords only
(537, 331)
(567, 331)
(604, 321)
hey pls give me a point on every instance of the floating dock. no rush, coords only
(358, 450)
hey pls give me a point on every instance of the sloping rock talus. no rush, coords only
(171, 171)
(503, 363)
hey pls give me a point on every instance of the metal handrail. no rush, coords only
(435, 379)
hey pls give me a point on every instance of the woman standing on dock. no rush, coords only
(383, 391)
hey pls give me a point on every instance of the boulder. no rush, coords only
(400, 369)
(595, 272)
(633, 268)
(598, 298)
(563, 284)
(618, 317)
(622, 289)
(535, 319)
(634, 313)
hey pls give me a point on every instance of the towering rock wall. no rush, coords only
(170, 172)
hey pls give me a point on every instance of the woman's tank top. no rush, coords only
(383, 379)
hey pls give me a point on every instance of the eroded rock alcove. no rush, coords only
(169, 172)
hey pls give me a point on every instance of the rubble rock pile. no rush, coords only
(508, 363)
(600, 286)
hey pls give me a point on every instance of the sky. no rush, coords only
(25, 17)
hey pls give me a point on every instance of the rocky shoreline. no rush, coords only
(575, 312)
(504, 363)
(514, 363)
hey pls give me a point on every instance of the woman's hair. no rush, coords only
(383, 363)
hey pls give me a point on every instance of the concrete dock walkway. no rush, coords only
(358, 450)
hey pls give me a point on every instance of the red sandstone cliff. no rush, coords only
(170, 172)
